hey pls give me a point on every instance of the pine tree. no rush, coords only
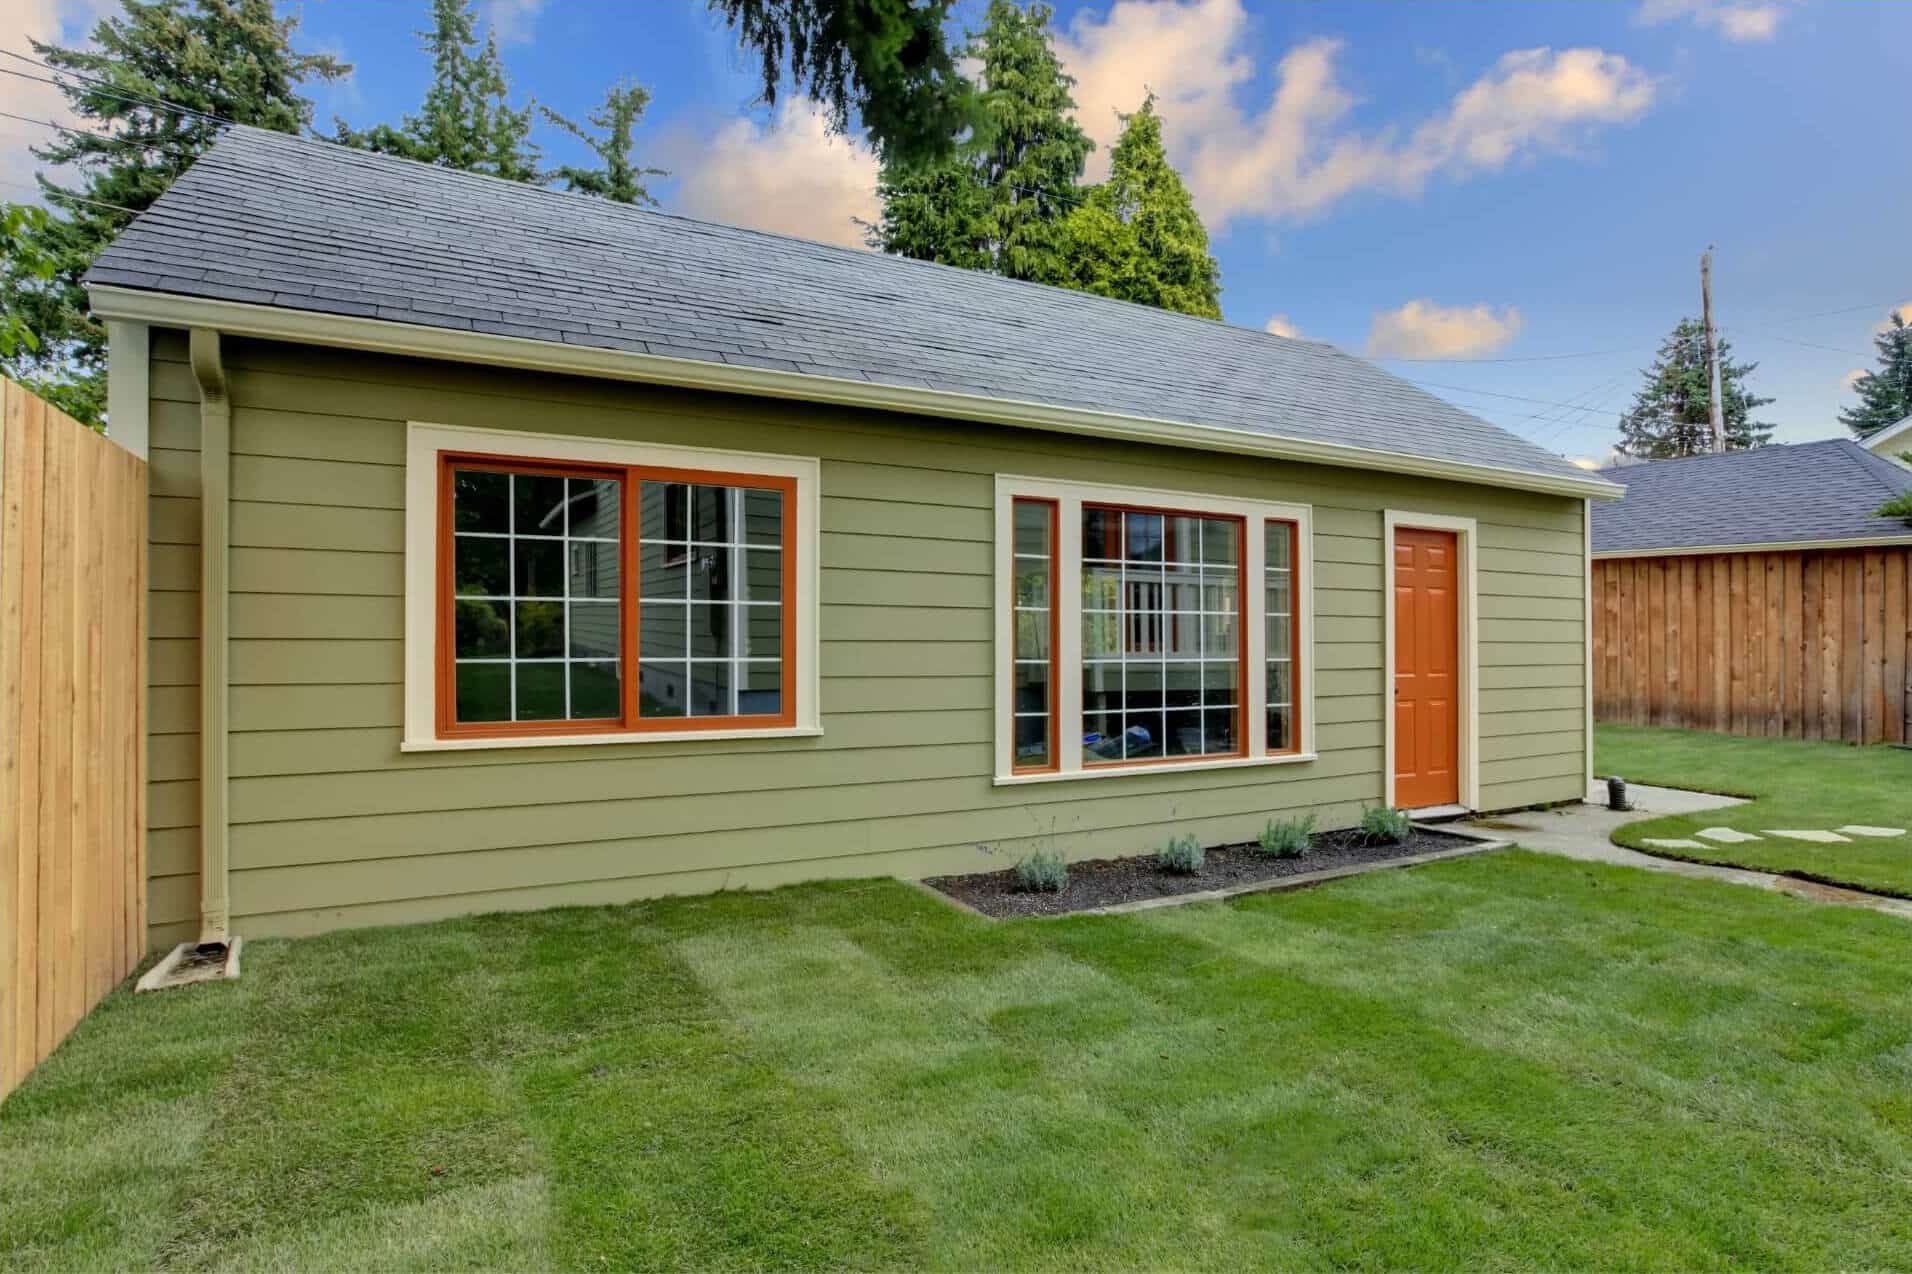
(886, 60)
(1671, 413)
(228, 59)
(466, 120)
(1137, 236)
(620, 179)
(1004, 200)
(1885, 393)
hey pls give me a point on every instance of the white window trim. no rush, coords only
(425, 441)
(1466, 539)
(1069, 498)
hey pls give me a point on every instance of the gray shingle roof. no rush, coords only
(1808, 492)
(307, 225)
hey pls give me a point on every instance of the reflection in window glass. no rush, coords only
(1161, 635)
(1279, 612)
(1034, 698)
(710, 600)
(535, 593)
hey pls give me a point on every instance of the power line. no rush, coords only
(105, 88)
(55, 193)
(113, 138)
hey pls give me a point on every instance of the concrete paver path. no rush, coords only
(1585, 832)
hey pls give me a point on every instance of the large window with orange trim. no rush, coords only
(594, 598)
(1143, 630)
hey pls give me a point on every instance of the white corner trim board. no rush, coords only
(424, 442)
(1466, 538)
(421, 341)
(129, 370)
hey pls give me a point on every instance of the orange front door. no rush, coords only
(1426, 669)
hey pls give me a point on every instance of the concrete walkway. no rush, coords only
(1585, 832)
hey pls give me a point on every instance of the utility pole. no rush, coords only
(1718, 413)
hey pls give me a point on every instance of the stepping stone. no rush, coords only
(1671, 844)
(1818, 837)
(1883, 833)
(1725, 835)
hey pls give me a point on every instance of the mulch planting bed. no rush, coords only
(1104, 882)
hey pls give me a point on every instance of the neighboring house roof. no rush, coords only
(1805, 494)
(1891, 442)
(296, 224)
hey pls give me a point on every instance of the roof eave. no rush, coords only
(1777, 546)
(171, 309)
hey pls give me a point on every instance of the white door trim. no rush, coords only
(1468, 608)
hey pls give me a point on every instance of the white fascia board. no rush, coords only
(420, 341)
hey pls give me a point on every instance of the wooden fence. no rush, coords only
(72, 709)
(1805, 645)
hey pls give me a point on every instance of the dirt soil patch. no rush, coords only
(1104, 882)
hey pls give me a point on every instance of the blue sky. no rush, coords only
(1456, 182)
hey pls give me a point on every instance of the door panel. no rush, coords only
(1426, 668)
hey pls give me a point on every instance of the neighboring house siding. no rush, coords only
(332, 825)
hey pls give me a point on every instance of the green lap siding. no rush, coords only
(332, 825)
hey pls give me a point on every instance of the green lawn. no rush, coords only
(1795, 783)
(1505, 1061)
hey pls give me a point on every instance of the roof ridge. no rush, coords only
(1882, 472)
(615, 208)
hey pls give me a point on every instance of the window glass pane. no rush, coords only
(1142, 735)
(763, 632)
(480, 501)
(710, 690)
(481, 629)
(540, 692)
(540, 629)
(763, 516)
(1142, 537)
(1280, 728)
(761, 692)
(1221, 541)
(594, 630)
(596, 691)
(1032, 688)
(1219, 592)
(710, 569)
(1183, 635)
(1032, 527)
(1184, 737)
(1101, 687)
(1101, 533)
(540, 568)
(1184, 585)
(1221, 682)
(663, 687)
(710, 515)
(1032, 634)
(1281, 636)
(1218, 635)
(710, 631)
(594, 569)
(484, 692)
(1101, 634)
(1280, 536)
(762, 576)
(1032, 581)
(594, 508)
(1281, 594)
(1218, 731)
(537, 505)
(1032, 742)
(662, 630)
(663, 570)
(481, 566)
(1280, 683)
(663, 511)
(1182, 685)
(1142, 685)
(1182, 539)
(1101, 587)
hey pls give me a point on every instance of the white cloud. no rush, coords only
(1280, 326)
(1852, 378)
(1303, 153)
(1422, 329)
(1737, 20)
(512, 21)
(65, 22)
(1903, 309)
(791, 176)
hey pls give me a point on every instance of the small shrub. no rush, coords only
(1183, 857)
(1043, 872)
(1288, 838)
(1383, 825)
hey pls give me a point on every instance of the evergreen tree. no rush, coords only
(620, 179)
(1004, 200)
(1671, 413)
(228, 59)
(1885, 394)
(887, 60)
(1137, 236)
(466, 120)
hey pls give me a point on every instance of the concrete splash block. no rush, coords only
(1671, 844)
(1726, 835)
(1878, 833)
(1815, 835)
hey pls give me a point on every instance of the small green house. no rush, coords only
(512, 548)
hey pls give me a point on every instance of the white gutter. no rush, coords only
(416, 340)
(1777, 546)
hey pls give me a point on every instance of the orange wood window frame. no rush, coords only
(629, 478)
(1294, 637)
(1241, 636)
(1055, 636)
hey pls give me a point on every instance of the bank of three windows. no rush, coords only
(1182, 641)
